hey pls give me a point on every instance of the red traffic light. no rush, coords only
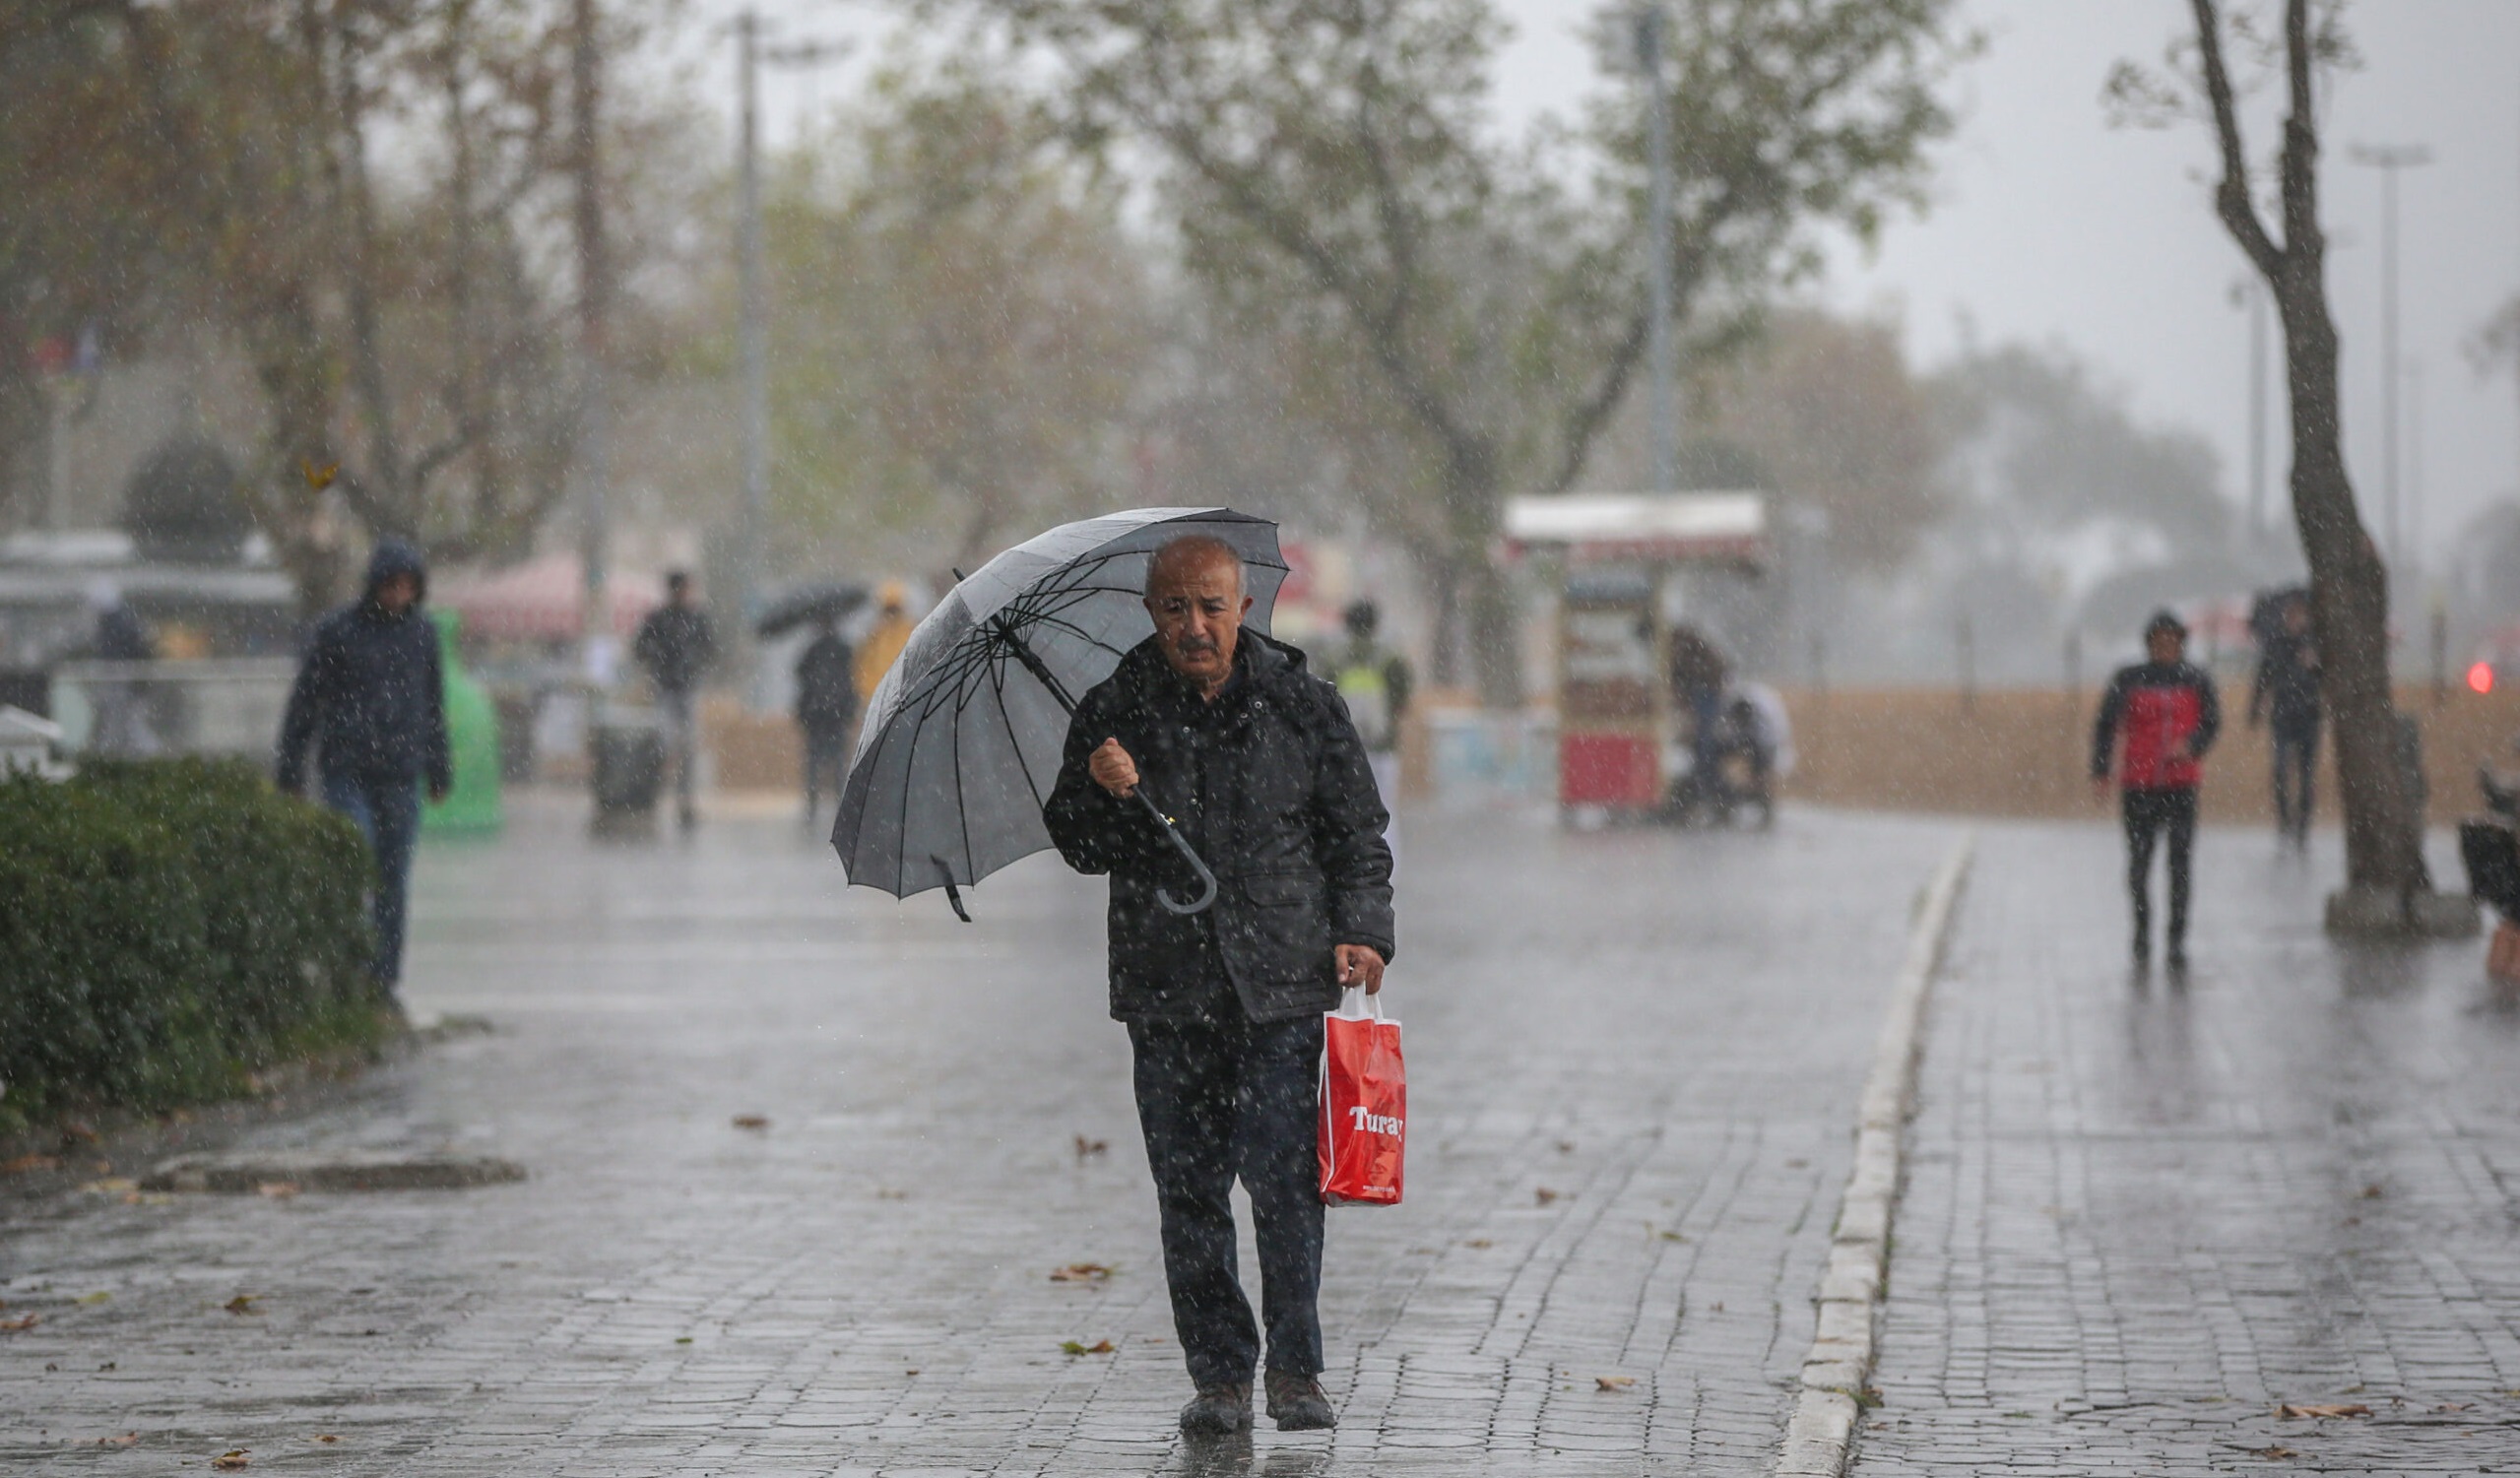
(2481, 677)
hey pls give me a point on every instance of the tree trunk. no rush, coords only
(2348, 603)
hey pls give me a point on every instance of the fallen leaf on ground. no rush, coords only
(21, 1322)
(232, 1459)
(1565, 1146)
(83, 1133)
(243, 1303)
(887, 1194)
(1479, 1242)
(110, 1186)
(2274, 1454)
(2452, 1406)
(1673, 1237)
(1079, 1347)
(127, 1439)
(1081, 1272)
(279, 1190)
(1544, 1195)
(2372, 1192)
(1086, 1146)
(2290, 1408)
(1615, 1382)
(99, 1297)
(25, 1163)
(751, 1120)
(328, 1438)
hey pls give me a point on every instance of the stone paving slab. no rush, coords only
(1666, 1032)
(2141, 1215)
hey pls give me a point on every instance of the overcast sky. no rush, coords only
(2051, 226)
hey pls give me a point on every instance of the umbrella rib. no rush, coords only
(1007, 721)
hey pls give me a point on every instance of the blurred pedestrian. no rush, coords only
(677, 648)
(370, 699)
(2155, 723)
(827, 705)
(1699, 674)
(884, 640)
(2285, 695)
(1269, 781)
(1374, 683)
(121, 725)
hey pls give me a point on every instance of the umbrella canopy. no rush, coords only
(963, 736)
(803, 605)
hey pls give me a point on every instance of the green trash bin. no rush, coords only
(472, 731)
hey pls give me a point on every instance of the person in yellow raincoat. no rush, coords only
(884, 640)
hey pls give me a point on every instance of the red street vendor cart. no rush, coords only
(1616, 558)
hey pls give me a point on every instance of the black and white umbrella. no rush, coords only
(963, 736)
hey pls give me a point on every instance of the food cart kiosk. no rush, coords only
(1616, 560)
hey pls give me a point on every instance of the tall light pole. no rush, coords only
(2251, 292)
(2389, 160)
(752, 328)
(593, 308)
(1658, 347)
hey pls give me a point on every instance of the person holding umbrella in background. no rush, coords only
(827, 705)
(2286, 696)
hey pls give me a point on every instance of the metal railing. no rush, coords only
(212, 706)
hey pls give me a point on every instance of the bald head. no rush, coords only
(1194, 596)
(1193, 554)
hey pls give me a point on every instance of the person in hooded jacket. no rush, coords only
(1263, 768)
(2157, 721)
(370, 700)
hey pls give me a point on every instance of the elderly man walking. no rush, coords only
(1260, 764)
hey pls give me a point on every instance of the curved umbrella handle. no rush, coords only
(1198, 864)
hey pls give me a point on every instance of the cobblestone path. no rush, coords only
(2140, 1216)
(1635, 1059)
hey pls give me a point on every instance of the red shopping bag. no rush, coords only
(1364, 1104)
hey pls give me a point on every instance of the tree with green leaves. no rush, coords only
(1333, 158)
(2387, 884)
(406, 325)
(963, 324)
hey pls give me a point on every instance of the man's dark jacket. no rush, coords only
(827, 683)
(2287, 686)
(371, 695)
(676, 646)
(1270, 784)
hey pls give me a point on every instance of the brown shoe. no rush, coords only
(1219, 1410)
(1298, 1403)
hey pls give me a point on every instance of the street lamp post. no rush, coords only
(2252, 293)
(1659, 352)
(752, 328)
(2389, 160)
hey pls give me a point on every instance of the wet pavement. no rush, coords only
(2141, 1215)
(1634, 1060)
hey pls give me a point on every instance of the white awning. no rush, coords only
(1662, 526)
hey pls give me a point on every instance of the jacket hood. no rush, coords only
(394, 558)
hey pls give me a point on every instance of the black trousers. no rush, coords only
(2296, 759)
(1219, 1099)
(826, 752)
(2149, 814)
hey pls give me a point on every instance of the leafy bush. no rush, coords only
(168, 926)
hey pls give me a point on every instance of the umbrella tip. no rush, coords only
(959, 576)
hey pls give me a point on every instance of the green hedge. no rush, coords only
(168, 926)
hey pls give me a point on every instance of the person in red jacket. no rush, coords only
(2157, 721)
